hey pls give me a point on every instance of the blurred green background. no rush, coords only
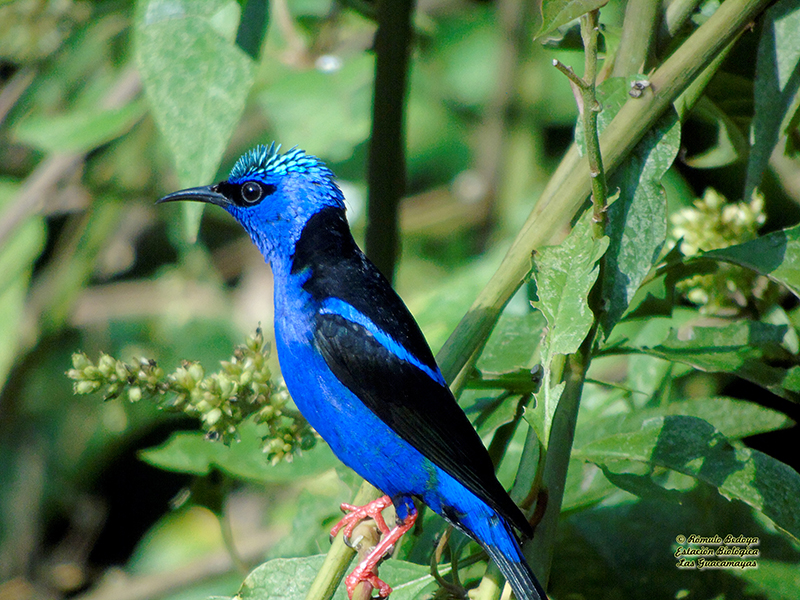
(87, 261)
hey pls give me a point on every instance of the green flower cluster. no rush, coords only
(714, 223)
(241, 389)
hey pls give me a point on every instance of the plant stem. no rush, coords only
(676, 14)
(513, 17)
(387, 166)
(590, 109)
(539, 550)
(339, 556)
(637, 32)
(565, 418)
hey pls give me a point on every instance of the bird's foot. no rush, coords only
(355, 514)
(357, 577)
(366, 571)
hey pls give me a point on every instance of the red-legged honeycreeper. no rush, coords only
(358, 366)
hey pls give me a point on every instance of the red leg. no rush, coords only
(366, 570)
(355, 514)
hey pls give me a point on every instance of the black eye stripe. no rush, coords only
(246, 194)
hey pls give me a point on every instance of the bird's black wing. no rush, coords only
(420, 409)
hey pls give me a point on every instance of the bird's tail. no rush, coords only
(517, 572)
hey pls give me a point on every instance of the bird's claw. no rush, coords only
(355, 514)
(366, 571)
(357, 577)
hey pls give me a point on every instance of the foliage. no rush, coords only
(633, 384)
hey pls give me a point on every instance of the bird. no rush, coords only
(359, 368)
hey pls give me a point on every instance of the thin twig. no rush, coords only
(589, 29)
(513, 18)
(14, 88)
(562, 432)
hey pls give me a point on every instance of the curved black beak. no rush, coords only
(206, 193)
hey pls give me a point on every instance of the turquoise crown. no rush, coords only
(267, 160)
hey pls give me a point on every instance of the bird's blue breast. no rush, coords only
(355, 434)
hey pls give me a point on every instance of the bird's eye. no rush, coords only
(252, 192)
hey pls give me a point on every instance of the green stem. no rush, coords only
(676, 15)
(562, 432)
(590, 109)
(565, 418)
(339, 556)
(637, 32)
(230, 545)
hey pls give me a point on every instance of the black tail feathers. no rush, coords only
(519, 576)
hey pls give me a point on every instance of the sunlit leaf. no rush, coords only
(732, 417)
(751, 350)
(197, 81)
(290, 578)
(564, 277)
(692, 446)
(776, 255)
(556, 13)
(512, 343)
(777, 81)
(637, 220)
(190, 452)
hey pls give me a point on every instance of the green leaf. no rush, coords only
(191, 452)
(637, 220)
(776, 255)
(693, 447)
(773, 579)
(196, 80)
(81, 130)
(556, 13)
(290, 578)
(776, 83)
(733, 418)
(513, 342)
(585, 486)
(564, 276)
(748, 349)
(284, 579)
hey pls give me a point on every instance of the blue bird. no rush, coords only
(359, 368)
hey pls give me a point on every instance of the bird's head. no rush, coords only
(272, 195)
